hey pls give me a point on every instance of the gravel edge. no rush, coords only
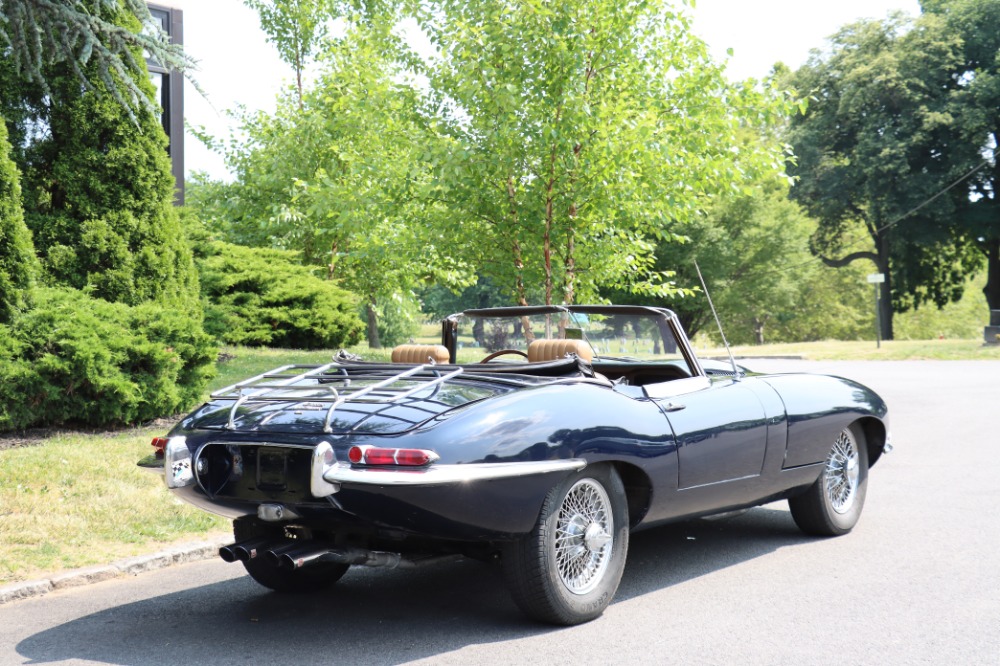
(132, 566)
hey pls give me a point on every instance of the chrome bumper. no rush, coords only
(327, 474)
(327, 478)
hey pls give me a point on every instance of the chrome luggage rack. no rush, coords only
(313, 385)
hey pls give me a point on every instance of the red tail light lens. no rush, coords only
(159, 444)
(414, 457)
(371, 455)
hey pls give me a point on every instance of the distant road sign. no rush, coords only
(876, 277)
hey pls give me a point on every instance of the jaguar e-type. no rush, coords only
(539, 436)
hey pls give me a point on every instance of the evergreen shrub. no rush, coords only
(82, 361)
(17, 255)
(264, 297)
(98, 196)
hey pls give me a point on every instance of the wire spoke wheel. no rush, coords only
(832, 505)
(584, 538)
(567, 569)
(842, 473)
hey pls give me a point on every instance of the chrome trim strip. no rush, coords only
(439, 475)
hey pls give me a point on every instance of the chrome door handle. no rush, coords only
(673, 407)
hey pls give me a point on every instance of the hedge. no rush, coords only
(81, 361)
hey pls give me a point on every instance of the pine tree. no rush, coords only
(91, 39)
(98, 194)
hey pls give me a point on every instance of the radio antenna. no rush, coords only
(736, 371)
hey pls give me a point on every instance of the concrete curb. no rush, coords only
(189, 552)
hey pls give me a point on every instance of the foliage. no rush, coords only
(333, 180)
(96, 40)
(84, 361)
(772, 288)
(18, 265)
(873, 153)
(959, 320)
(753, 251)
(548, 146)
(973, 106)
(119, 337)
(438, 302)
(258, 296)
(398, 320)
(294, 27)
(578, 133)
(98, 195)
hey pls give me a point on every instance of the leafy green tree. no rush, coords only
(753, 250)
(550, 147)
(773, 289)
(97, 191)
(18, 265)
(90, 39)
(870, 158)
(335, 181)
(973, 132)
(578, 133)
(295, 27)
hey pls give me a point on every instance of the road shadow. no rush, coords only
(381, 616)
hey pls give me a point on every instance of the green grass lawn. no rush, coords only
(73, 499)
(893, 350)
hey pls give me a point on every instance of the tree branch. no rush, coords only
(843, 261)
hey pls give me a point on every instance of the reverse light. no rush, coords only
(373, 455)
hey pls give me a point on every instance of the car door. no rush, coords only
(720, 428)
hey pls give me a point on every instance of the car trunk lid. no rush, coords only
(373, 400)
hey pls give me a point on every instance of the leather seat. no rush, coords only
(420, 354)
(540, 351)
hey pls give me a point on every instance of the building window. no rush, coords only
(170, 91)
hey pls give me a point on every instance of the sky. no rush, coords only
(237, 65)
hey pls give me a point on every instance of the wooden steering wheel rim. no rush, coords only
(501, 352)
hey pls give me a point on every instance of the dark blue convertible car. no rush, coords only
(539, 435)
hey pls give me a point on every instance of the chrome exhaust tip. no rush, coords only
(244, 551)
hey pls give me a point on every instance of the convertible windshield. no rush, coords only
(643, 335)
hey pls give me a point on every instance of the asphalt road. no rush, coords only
(917, 582)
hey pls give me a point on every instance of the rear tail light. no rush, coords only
(372, 455)
(159, 445)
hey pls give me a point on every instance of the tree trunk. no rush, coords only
(885, 306)
(373, 341)
(992, 288)
(758, 331)
(885, 295)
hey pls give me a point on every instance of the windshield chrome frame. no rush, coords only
(450, 323)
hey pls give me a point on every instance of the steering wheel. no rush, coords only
(502, 352)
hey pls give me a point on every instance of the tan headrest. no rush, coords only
(552, 350)
(420, 354)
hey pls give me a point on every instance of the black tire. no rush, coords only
(572, 581)
(833, 504)
(309, 579)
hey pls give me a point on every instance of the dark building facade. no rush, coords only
(170, 88)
